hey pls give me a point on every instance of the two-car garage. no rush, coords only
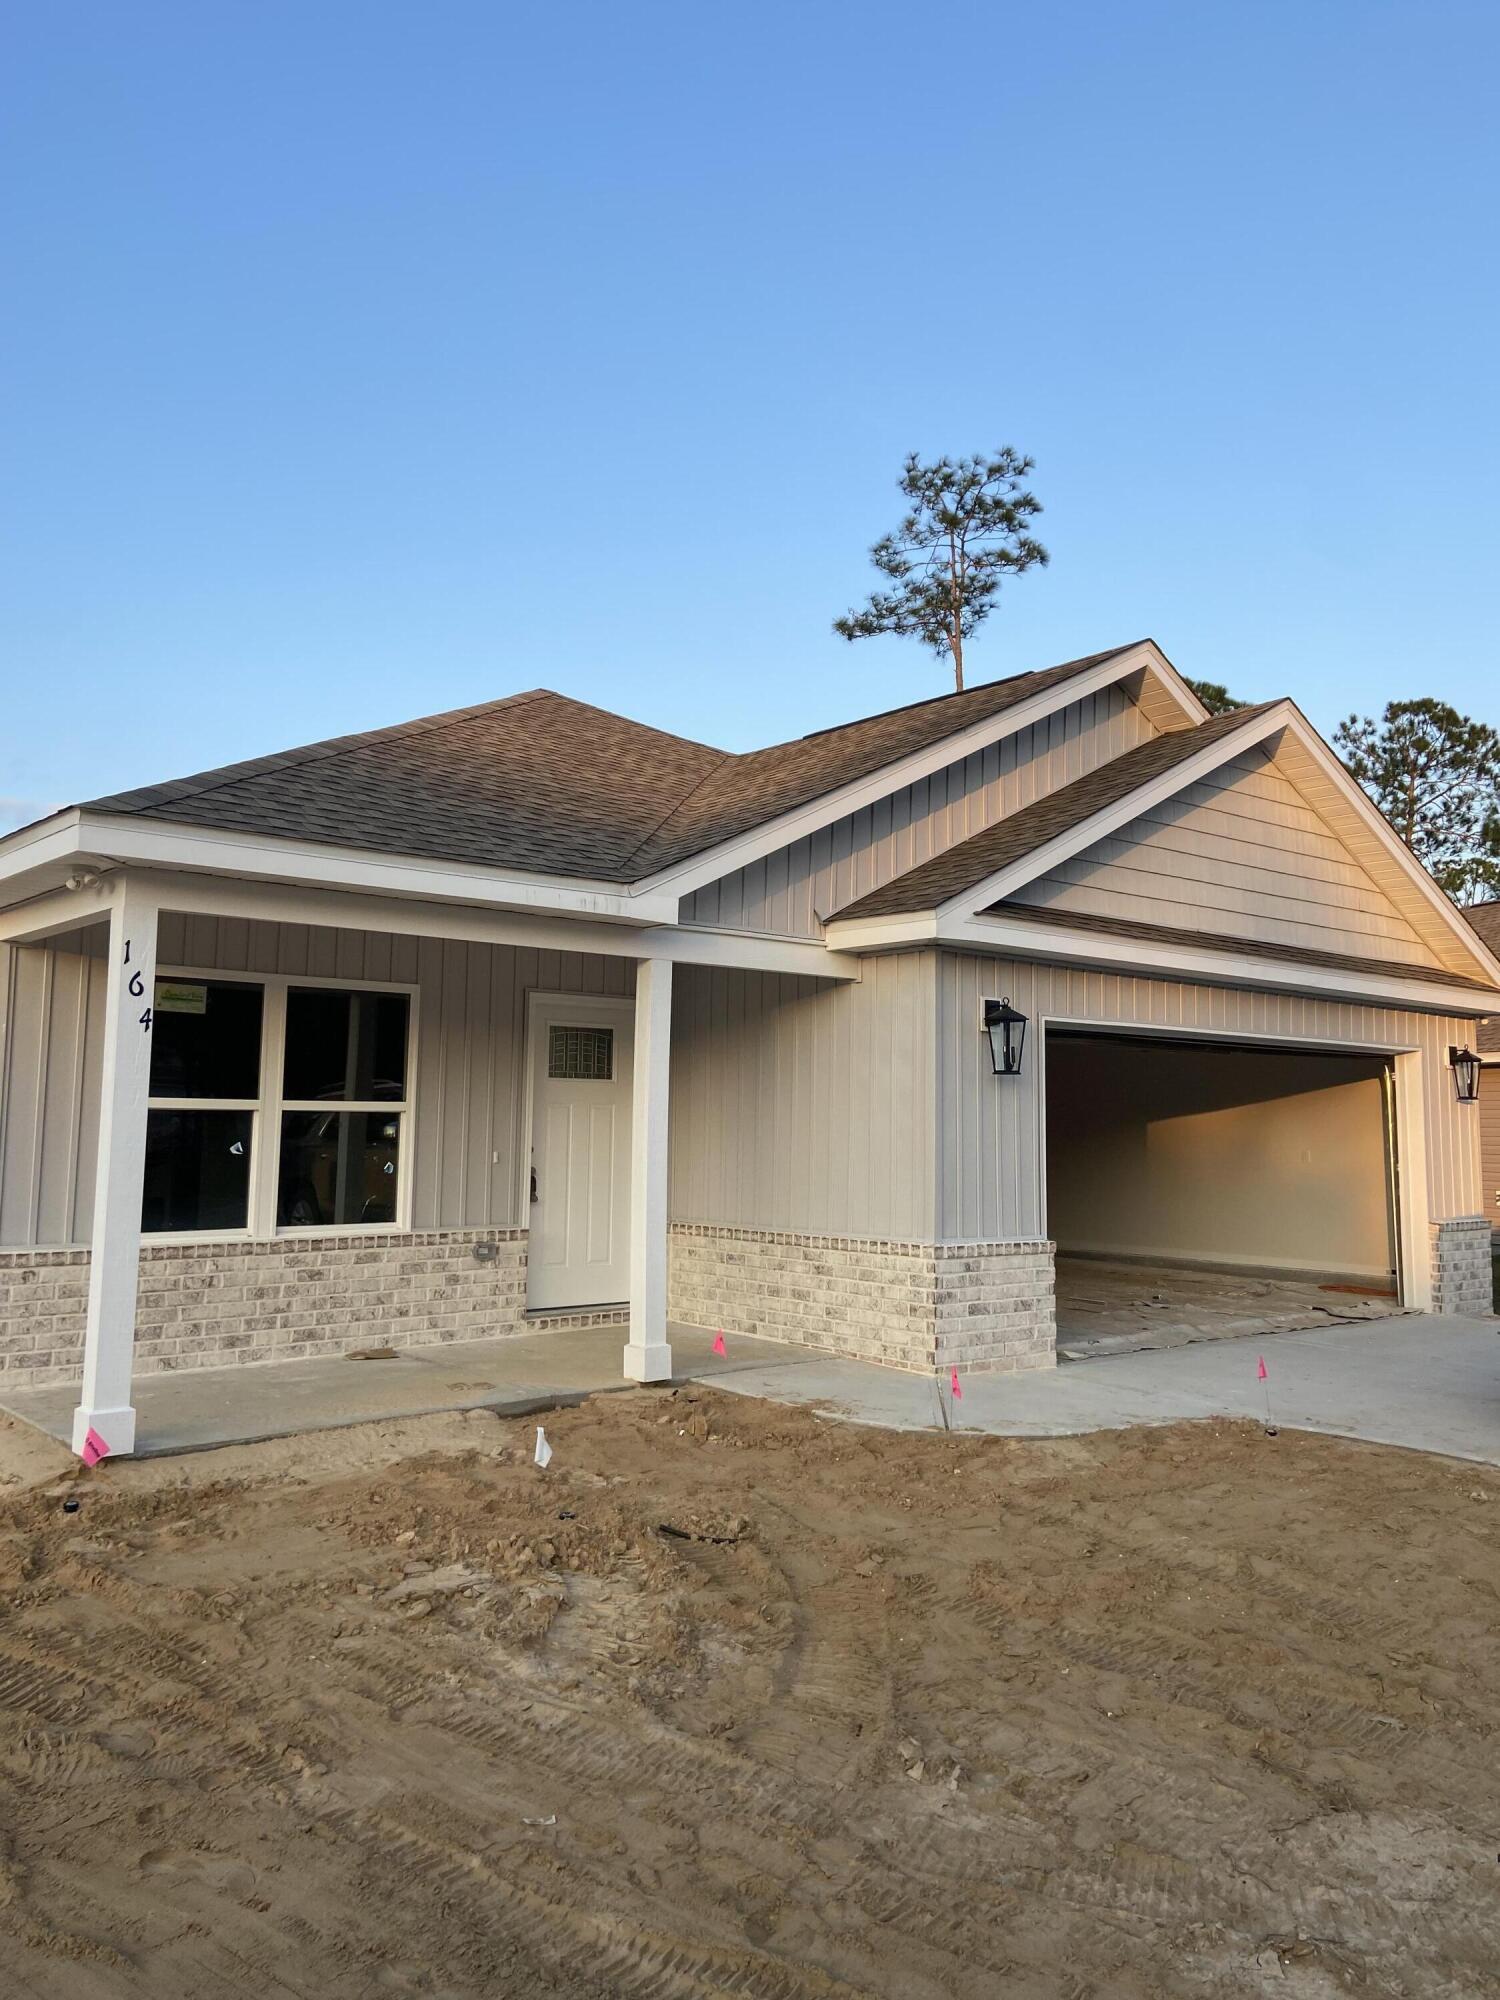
(1186, 1167)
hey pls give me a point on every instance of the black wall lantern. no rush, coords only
(1465, 1074)
(1006, 1029)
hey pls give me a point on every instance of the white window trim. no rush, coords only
(265, 1123)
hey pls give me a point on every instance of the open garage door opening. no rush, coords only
(1198, 1189)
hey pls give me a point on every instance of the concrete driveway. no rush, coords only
(1431, 1383)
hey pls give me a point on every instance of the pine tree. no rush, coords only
(965, 531)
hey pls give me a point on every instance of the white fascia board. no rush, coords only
(267, 902)
(1042, 860)
(32, 856)
(1374, 825)
(1005, 937)
(684, 877)
(138, 842)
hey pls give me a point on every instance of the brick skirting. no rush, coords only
(1462, 1271)
(982, 1307)
(209, 1305)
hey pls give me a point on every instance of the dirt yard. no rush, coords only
(732, 1700)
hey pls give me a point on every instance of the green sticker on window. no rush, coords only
(179, 999)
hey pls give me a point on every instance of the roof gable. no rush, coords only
(990, 872)
(1238, 854)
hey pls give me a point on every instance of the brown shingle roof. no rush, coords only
(747, 791)
(958, 869)
(541, 782)
(534, 781)
(1075, 920)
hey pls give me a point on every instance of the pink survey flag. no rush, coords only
(1260, 1368)
(957, 1390)
(719, 1347)
(94, 1448)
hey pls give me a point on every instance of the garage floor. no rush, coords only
(1105, 1308)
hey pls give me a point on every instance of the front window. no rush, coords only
(343, 1092)
(205, 1092)
(237, 1141)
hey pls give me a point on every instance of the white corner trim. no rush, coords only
(684, 877)
(1042, 860)
(1006, 937)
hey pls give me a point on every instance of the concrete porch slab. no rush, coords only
(194, 1409)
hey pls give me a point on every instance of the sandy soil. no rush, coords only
(390, 1712)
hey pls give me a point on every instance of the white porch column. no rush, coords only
(648, 1358)
(116, 1241)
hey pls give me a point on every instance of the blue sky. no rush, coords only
(362, 360)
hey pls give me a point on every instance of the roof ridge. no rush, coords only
(956, 694)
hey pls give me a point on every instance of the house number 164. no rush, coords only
(136, 988)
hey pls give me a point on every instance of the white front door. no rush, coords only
(581, 1053)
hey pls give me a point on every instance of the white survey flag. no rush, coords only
(543, 1449)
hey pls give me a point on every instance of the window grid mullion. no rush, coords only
(375, 1104)
(267, 1179)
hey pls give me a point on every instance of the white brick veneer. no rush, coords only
(1462, 1272)
(976, 1306)
(210, 1305)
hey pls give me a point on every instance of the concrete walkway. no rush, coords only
(1429, 1383)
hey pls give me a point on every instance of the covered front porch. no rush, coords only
(270, 1124)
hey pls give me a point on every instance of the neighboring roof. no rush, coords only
(542, 782)
(1169, 934)
(1485, 918)
(963, 867)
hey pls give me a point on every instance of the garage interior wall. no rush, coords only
(1207, 1154)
